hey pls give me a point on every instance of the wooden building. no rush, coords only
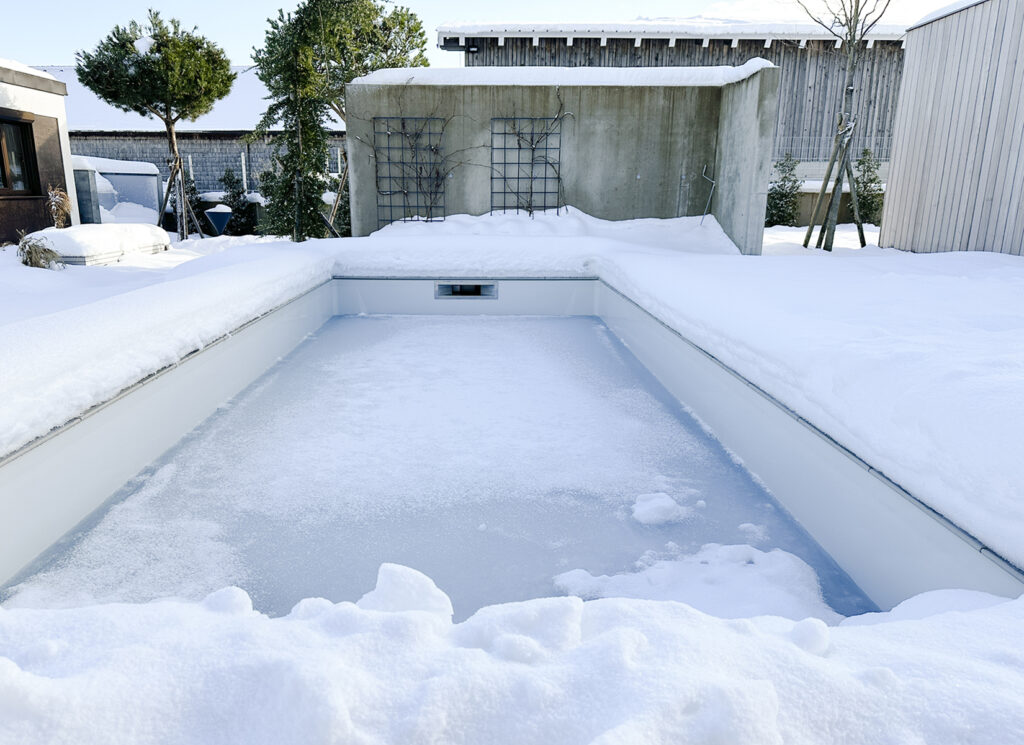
(957, 174)
(811, 64)
(34, 149)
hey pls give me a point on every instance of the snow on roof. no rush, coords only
(18, 67)
(697, 27)
(109, 165)
(565, 76)
(239, 111)
(947, 10)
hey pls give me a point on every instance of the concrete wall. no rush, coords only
(956, 181)
(746, 127)
(626, 151)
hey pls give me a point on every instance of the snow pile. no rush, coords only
(564, 76)
(10, 64)
(67, 362)
(657, 509)
(91, 244)
(724, 581)
(554, 670)
(129, 213)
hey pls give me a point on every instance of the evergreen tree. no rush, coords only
(243, 212)
(870, 195)
(783, 194)
(158, 70)
(306, 60)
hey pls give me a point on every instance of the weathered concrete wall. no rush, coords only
(743, 168)
(626, 151)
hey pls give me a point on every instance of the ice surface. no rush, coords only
(489, 453)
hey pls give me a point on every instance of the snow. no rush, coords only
(548, 670)
(658, 508)
(10, 64)
(239, 111)
(698, 27)
(736, 581)
(109, 165)
(631, 76)
(95, 242)
(219, 208)
(913, 361)
(144, 44)
(947, 10)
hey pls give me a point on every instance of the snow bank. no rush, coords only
(553, 670)
(18, 67)
(57, 366)
(631, 76)
(90, 244)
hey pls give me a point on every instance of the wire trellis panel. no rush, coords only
(525, 167)
(409, 167)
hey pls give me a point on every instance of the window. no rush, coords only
(17, 161)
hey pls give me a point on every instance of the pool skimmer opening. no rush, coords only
(465, 289)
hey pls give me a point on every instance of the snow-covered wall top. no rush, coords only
(10, 64)
(697, 27)
(564, 76)
(109, 165)
(239, 111)
(947, 10)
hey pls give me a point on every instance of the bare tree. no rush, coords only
(850, 21)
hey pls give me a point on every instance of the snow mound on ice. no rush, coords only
(658, 508)
(724, 581)
(400, 588)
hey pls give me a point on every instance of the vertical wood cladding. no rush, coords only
(809, 93)
(957, 175)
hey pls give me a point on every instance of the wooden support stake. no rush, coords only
(854, 204)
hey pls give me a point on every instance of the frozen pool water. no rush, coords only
(490, 453)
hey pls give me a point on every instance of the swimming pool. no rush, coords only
(889, 544)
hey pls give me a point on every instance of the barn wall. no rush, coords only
(957, 179)
(809, 91)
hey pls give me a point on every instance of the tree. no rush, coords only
(160, 71)
(849, 21)
(870, 195)
(783, 194)
(306, 60)
(243, 212)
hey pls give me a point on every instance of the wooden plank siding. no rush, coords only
(956, 179)
(810, 87)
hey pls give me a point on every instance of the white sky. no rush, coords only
(49, 33)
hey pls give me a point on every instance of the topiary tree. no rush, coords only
(160, 71)
(870, 195)
(783, 194)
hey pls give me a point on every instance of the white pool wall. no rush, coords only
(49, 486)
(889, 543)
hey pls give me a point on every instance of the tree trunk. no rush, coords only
(179, 212)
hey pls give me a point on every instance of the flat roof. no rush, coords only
(565, 76)
(698, 27)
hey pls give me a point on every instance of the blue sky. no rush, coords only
(65, 26)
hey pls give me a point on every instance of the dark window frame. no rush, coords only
(23, 122)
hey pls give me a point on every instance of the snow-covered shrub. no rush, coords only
(783, 194)
(36, 252)
(870, 195)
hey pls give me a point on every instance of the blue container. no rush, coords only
(218, 218)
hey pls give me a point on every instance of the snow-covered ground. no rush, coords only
(914, 362)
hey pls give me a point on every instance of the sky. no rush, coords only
(56, 29)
